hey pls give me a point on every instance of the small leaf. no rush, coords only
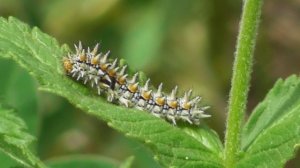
(14, 142)
(42, 57)
(272, 133)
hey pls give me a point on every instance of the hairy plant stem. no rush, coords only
(240, 80)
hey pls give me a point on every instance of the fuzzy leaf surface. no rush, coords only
(14, 141)
(272, 133)
(42, 56)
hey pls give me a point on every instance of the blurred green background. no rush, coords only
(185, 43)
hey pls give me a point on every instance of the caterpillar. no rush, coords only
(95, 69)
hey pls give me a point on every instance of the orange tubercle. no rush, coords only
(173, 104)
(132, 88)
(160, 101)
(146, 95)
(68, 65)
(186, 106)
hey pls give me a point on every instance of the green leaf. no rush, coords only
(42, 57)
(272, 133)
(14, 142)
(128, 162)
(82, 161)
(23, 99)
(208, 137)
(6, 160)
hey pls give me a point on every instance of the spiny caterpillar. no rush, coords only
(107, 77)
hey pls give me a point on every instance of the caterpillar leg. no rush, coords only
(124, 101)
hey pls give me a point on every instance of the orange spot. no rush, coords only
(111, 72)
(160, 101)
(146, 95)
(82, 57)
(173, 104)
(186, 106)
(122, 80)
(132, 88)
(95, 60)
(68, 65)
(104, 66)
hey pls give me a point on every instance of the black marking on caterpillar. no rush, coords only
(106, 76)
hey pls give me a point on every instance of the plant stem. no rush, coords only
(240, 80)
